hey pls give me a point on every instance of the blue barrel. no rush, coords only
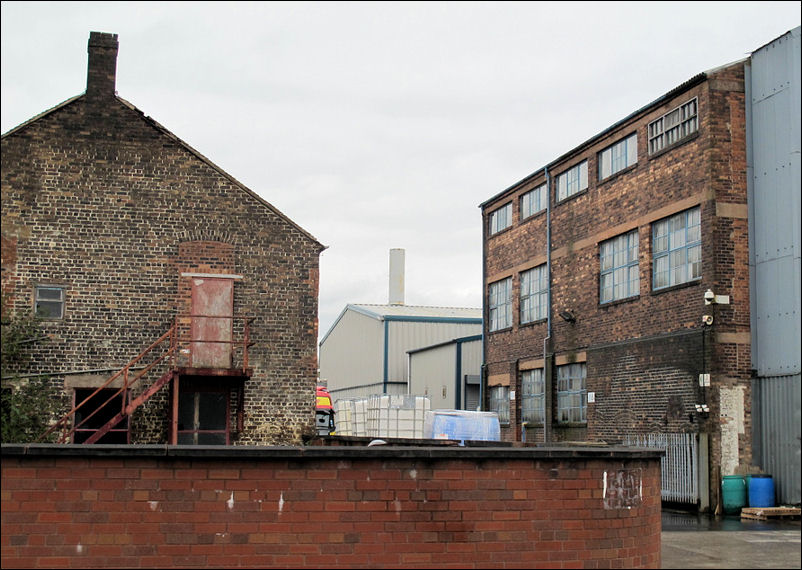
(733, 493)
(761, 491)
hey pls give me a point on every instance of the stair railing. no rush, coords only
(63, 422)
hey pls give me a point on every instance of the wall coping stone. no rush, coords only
(314, 453)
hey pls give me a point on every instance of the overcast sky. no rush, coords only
(380, 125)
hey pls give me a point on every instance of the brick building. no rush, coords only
(166, 286)
(605, 334)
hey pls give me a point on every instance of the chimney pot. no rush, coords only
(101, 75)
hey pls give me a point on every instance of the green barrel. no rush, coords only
(733, 493)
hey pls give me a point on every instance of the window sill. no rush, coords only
(612, 177)
(533, 323)
(498, 233)
(675, 145)
(572, 197)
(534, 216)
(619, 302)
(694, 283)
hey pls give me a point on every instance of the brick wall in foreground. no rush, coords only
(329, 507)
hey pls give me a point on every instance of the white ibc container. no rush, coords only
(396, 416)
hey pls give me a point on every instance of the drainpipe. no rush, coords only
(386, 366)
(483, 368)
(547, 371)
(458, 379)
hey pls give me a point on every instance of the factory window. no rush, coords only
(618, 259)
(500, 403)
(677, 249)
(501, 219)
(533, 396)
(572, 181)
(49, 302)
(619, 156)
(534, 294)
(673, 127)
(534, 201)
(500, 304)
(572, 394)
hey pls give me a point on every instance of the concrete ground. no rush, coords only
(700, 541)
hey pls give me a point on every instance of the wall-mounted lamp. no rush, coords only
(713, 299)
(568, 316)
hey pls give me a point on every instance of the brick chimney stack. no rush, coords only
(101, 75)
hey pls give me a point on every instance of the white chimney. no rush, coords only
(396, 276)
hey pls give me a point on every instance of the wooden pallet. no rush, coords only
(765, 513)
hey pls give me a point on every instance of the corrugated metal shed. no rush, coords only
(773, 155)
(366, 348)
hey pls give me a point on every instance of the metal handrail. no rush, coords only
(61, 423)
(173, 335)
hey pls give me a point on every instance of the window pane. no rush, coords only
(619, 256)
(683, 245)
(49, 302)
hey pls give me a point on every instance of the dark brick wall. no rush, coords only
(643, 354)
(331, 508)
(105, 202)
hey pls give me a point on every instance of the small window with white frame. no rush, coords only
(501, 219)
(500, 403)
(619, 156)
(534, 201)
(533, 396)
(500, 304)
(572, 181)
(534, 294)
(674, 126)
(49, 302)
(677, 249)
(619, 276)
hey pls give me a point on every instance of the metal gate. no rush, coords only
(679, 467)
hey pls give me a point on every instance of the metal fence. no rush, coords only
(679, 467)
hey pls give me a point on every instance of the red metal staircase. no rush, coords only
(169, 357)
(128, 380)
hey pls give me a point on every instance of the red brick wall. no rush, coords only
(157, 507)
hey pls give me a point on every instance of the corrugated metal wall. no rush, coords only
(409, 335)
(352, 354)
(432, 374)
(773, 154)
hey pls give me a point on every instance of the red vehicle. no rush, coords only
(324, 412)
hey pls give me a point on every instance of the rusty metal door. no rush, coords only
(212, 316)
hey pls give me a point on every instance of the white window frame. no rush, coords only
(499, 304)
(534, 294)
(572, 181)
(677, 249)
(572, 394)
(534, 201)
(618, 156)
(619, 274)
(676, 125)
(501, 218)
(500, 403)
(533, 396)
(51, 300)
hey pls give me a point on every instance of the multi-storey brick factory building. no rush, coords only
(597, 268)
